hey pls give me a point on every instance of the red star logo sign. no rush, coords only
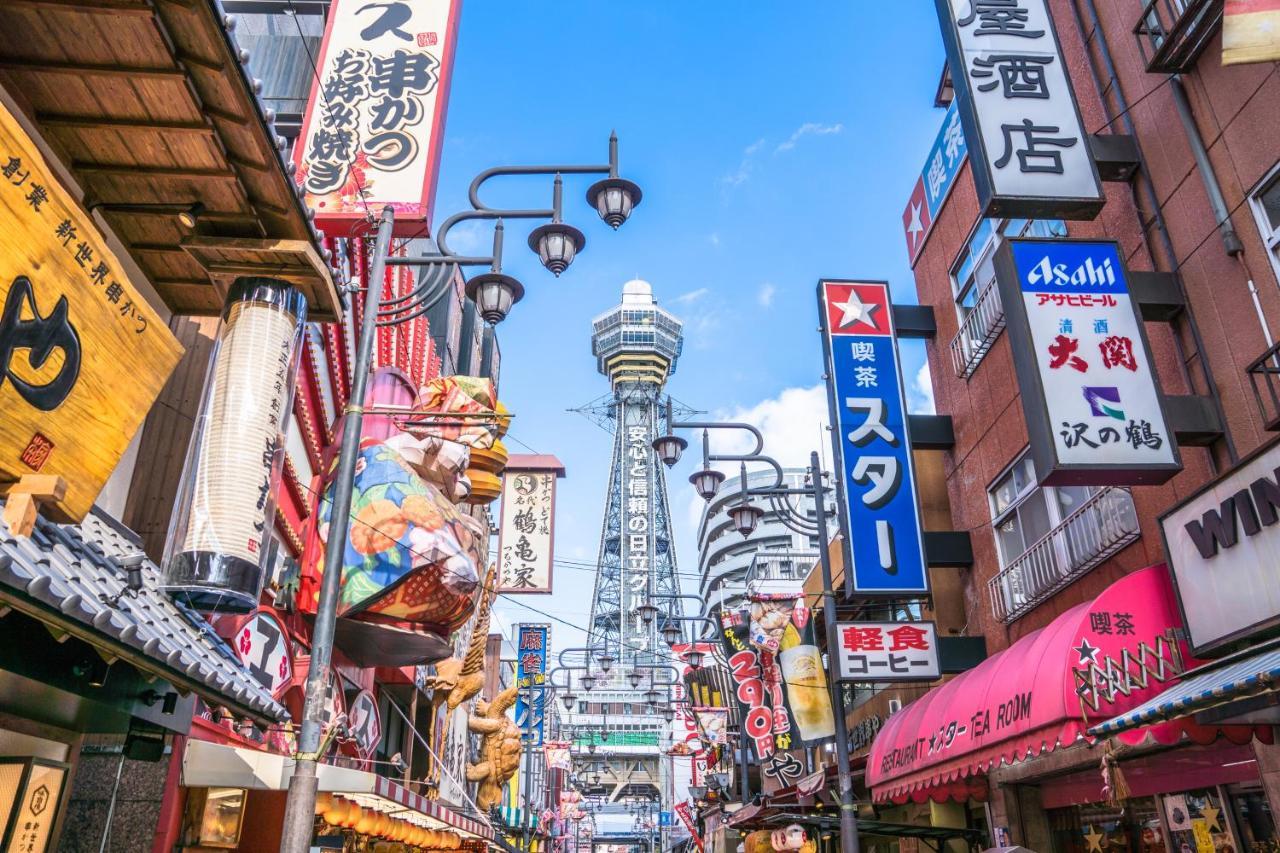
(858, 308)
(915, 221)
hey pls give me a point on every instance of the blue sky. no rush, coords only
(775, 144)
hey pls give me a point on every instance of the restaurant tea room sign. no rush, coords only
(82, 354)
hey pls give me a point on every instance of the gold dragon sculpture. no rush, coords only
(499, 750)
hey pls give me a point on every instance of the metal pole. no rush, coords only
(299, 812)
(528, 769)
(848, 811)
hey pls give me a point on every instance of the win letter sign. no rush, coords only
(869, 414)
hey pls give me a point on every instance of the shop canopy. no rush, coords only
(1239, 677)
(1091, 663)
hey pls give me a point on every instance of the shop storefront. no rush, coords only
(1012, 738)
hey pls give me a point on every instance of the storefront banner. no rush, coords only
(82, 353)
(1093, 662)
(1030, 153)
(872, 447)
(374, 123)
(1250, 31)
(1089, 393)
(935, 182)
(686, 817)
(557, 754)
(531, 672)
(1224, 545)
(713, 725)
(526, 531)
(888, 651)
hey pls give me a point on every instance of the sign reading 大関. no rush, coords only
(1091, 398)
(1030, 150)
(869, 412)
(374, 124)
(531, 673)
(935, 182)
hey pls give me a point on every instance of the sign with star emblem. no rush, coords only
(872, 448)
(935, 183)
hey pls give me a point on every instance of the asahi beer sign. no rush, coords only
(869, 411)
(1224, 545)
(375, 121)
(526, 531)
(1091, 398)
(1030, 150)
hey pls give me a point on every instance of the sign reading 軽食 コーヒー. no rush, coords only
(82, 354)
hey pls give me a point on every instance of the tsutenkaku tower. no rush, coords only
(636, 345)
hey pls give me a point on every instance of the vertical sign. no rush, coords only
(637, 512)
(375, 119)
(531, 672)
(1031, 154)
(868, 409)
(935, 182)
(526, 531)
(1091, 398)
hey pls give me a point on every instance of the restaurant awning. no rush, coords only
(206, 764)
(1091, 663)
(1251, 674)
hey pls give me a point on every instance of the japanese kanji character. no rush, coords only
(11, 168)
(66, 230)
(114, 291)
(403, 72)
(1065, 326)
(38, 196)
(865, 377)
(937, 175)
(1124, 624)
(1117, 351)
(1100, 327)
(908, 637)
(1100, 623)
(84, 253)
(857, 639)
(1034, 140)
(98, 275)
(1075, 434)
(1000, 17)
(1140, 433)
(863, 351)
(531, 640)
(1063, 351)
(1021, 75)
(953, 139)
(332, 145)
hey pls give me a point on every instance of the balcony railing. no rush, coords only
(978, 331)
(771, 570)
(1099, 528)
(1264, 374)
(1173, 33)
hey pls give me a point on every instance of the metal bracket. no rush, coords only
(948, 548)
(1116, 155)
(931, 432)
(1193, 419)
(914, 321)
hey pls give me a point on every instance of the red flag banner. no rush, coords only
(1250, 31)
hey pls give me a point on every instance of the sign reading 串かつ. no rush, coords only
(374, 125)
(869, 412)
(531, 672)
(1091, 398)
(888, 651)
(82, 354)
(1030, 151)
(935, 182)
(526, 531)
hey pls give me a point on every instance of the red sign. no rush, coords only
(686, 815)
(858, 309)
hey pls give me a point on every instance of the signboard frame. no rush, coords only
(509, 476)
(532, 693)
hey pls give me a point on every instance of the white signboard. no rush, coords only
(1092, 401)
(1029, 148)
(887, 651)
(375, 121)
(365, 722)
(526, 531)
(262, 644)
(1224, 548)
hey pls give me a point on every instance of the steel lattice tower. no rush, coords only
(636, 345)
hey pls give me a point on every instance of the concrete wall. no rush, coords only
(136, 816)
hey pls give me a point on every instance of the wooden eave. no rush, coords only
(147, 102)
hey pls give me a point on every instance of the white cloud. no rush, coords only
(745, 167)
(471, 237)
(920, 392)
(691, 297)
(714, 239)
(793, 424)
(765, 294)
(809, 128)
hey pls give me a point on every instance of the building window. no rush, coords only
(1266, 210)
(1047, 537)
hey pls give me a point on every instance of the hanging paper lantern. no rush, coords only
(368, 820)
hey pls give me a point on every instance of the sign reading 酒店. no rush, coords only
(1091, 398)
(82, 354)
(1028, 147)
(1223, 545)
(374, 124)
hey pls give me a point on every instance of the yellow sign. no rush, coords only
(82, 354)
(1204, 838)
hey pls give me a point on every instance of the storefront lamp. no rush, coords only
(669, 448)
(568, 699)
(652, 697)
(494, 293)
(671, 633)
(606, 662)
(707, 482)
(694, 659)
(647, 612)
(587, 681)
(745, 517)
(634, 677)
(614, 199)
(591, 747)
(557, 244)
(668, 713)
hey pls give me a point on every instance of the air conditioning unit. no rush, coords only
(895, 705)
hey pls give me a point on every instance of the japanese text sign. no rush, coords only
(374, 124)
(365, 723)
(868, 409)
(638, 493)
(887, 651)
(1031, 154)
(82, 354)
(531, 672)
(1091, 398)
(526, 531)
(262, 645)
(935, 182)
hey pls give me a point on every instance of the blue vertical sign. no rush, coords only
(531, 672)
(869, 414)
(935, 182)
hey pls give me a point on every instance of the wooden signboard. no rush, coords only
(82, 354)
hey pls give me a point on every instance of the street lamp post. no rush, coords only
(494, 293)
(745, 517)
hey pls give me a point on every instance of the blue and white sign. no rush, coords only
(935, 182)
(1090, 395)
(531, 672)
(869, 412)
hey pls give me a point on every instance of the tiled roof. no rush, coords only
(69, 569)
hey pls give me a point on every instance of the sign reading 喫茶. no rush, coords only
(526, 531)
(531, 672)
(869, 412)
(1030, 151)
(375, 121)
(1090, 396)
(935, 182)
(888, 651)
(82, 354)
